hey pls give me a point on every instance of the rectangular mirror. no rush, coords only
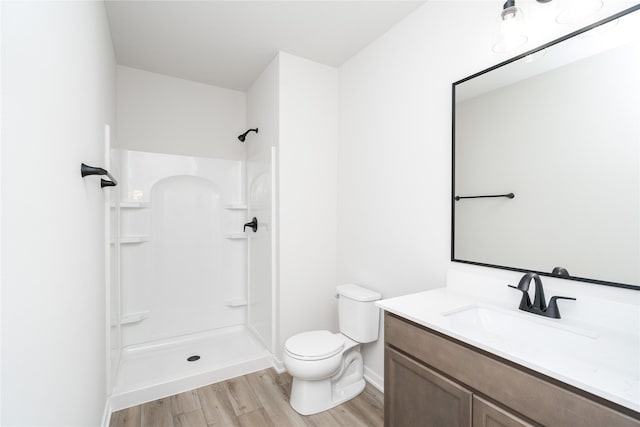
(558, 128)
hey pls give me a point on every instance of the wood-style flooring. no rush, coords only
(254, 400)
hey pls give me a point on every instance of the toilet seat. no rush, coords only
(314, 345)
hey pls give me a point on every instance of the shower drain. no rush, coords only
(193, 358)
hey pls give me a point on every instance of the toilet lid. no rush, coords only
(314, 345)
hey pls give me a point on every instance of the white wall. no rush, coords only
(263, 113)
(58, 71)
(307, 200)
(1, 258)
(163, 114)
(394, 150)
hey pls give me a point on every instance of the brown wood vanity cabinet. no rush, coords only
(432, 380)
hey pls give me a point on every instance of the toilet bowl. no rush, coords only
(327, 368)
(314, 355)
(327, 373)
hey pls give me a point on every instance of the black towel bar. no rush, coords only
(92, 170)
(508, 196)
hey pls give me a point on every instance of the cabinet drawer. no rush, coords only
(532, 396)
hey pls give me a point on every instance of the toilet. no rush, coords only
(327, 368)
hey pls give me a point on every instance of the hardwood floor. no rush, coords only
(254, 400)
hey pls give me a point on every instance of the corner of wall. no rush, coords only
(308, 104)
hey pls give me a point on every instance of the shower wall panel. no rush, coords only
(260, 196)
(263, 112)
(183, 253)
(112, 235)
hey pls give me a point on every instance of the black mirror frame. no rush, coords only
(453, 153)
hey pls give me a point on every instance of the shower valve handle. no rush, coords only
(253, 224)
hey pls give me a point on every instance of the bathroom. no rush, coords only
(354, 140)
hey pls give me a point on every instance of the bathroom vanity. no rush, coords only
(432, 379)
(453, 358)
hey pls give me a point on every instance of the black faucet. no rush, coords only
(539, 305)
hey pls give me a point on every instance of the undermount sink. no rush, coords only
(523, 330)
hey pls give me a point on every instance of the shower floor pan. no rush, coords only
(155, 370)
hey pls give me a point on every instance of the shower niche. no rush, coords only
(183, 275)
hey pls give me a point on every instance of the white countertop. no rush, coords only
(600, 360)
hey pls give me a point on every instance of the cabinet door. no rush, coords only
(486, 414)
(417, 396)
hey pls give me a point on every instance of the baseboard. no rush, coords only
(374, 379)
(278, 365)
(106, 415)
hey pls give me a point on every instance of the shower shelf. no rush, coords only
(236, 206)
(236, 302)
(133, 205)
(134, 317)
(235, 236)
(134, 239)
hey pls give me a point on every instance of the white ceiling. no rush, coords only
(228, 43)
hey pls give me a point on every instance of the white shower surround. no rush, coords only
(183, 275)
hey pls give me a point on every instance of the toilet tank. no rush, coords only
(358, 317)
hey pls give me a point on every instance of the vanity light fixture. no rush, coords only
(510, 33)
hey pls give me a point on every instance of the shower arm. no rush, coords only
(92, 170)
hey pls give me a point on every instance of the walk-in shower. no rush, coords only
(186, 309)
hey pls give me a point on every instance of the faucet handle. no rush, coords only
(525, 302)
(552, 309)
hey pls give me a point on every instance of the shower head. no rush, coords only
(244, 135)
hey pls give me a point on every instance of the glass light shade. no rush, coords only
(576, 10)
(510, 31)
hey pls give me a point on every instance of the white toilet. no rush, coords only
(327, 369)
